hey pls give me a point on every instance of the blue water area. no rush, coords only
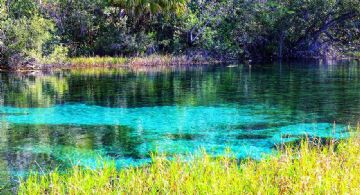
(171, 130)
(84, 118)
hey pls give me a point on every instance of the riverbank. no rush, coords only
(119, 62)
(145, 62)
(354, 55)
(308, 168)
(152, 60)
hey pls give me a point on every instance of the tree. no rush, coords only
(25, 37)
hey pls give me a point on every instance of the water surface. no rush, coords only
(75, 117)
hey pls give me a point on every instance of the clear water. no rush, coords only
(77, 117)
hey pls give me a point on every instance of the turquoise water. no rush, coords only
(178, 129)
(77, 117)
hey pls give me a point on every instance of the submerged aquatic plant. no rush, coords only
(310, 167)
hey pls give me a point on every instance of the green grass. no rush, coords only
(153, 60)
(354, 54)
(97, 61)
(146, 61)
(309, 168)
(357, 54)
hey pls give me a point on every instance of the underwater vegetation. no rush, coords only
(308, 167)
(172, 129)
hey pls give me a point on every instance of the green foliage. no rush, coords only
(22, 8)
(3, 16)
(58, 55)
(308, 168)
(28, 35)
(276, 28)
(139, 8)
(227, 29)
(23, 39)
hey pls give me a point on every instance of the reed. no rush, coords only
(354, 55)
(147, 61)
(88, 62)
(357, 54)
(309, 167)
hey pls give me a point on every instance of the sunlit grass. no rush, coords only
(357, 54)
(146, 61)
(354, 54)
(97, 61)
(310, 167)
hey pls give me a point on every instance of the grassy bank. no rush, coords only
(354, 55)
(152, 60)
(308, 168)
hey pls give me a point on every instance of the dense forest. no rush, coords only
(49, 31)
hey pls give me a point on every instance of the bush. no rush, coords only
(58, 56)
(23, 41)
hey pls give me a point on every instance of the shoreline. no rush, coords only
(152, 61)
(309, 166)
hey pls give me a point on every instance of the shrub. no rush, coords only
(23, 41)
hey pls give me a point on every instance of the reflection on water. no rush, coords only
(75, 117)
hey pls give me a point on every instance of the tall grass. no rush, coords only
(88, 62)
(152, 60)
(354, 54)
(307, 168)
(357, 54)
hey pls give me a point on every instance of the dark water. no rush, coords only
(75, 117)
